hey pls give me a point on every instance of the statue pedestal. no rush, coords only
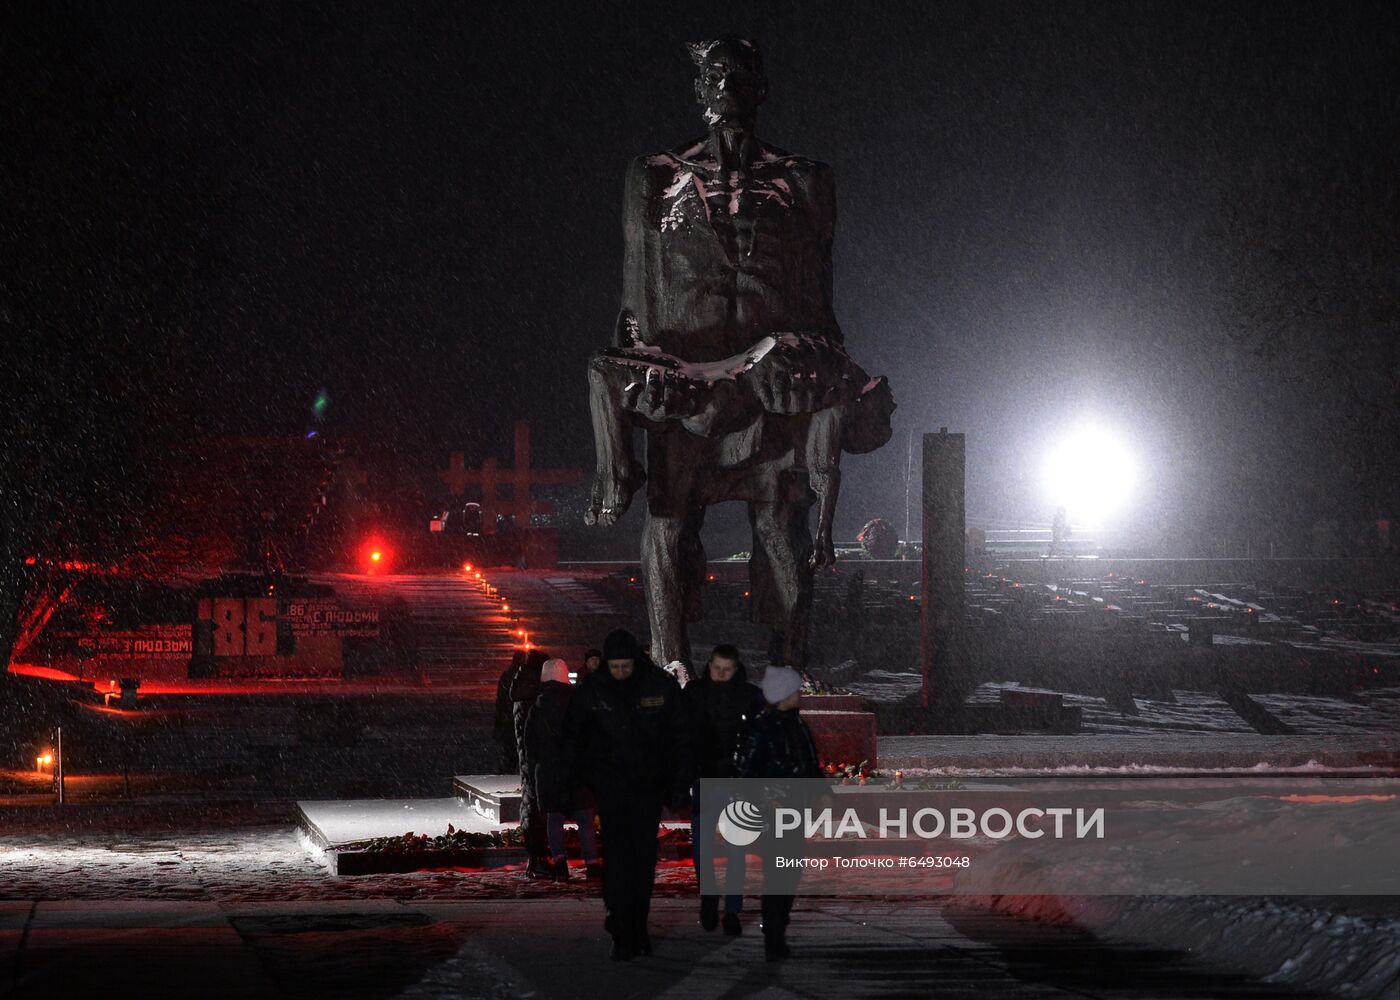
(842, 737)
(832, 703)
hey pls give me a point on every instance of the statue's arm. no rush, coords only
(634, 319)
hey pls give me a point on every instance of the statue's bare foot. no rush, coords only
(612, 494)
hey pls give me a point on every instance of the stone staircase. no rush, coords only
(465, 635)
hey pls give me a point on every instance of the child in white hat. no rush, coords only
(544, 735)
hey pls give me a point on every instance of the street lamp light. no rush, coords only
(1091, 474)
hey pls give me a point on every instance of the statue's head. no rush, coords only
(731, 84)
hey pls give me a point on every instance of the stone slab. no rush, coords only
(342, 863)
(112, 915)
(330, 824)
(843, 737)
(495, 797)
(334, 828)
(1046, 701)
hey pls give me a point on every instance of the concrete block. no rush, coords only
(843, 737)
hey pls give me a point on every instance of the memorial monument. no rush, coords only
(728, 355)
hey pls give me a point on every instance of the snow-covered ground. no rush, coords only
(1372, 711)
(1346, 947)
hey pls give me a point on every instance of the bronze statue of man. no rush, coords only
(728, 354)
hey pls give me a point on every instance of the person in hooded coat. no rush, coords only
(544, 744)
(720, 701)
(627, 738)
(507, 750)
(778, 745)
(524, 689)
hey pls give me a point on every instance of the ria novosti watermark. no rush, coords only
(1090, 836)
(930, 823)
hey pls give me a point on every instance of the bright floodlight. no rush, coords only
(1090, 474)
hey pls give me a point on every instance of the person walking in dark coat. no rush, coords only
(544, 744)
(507, 752)
(524, 689)
(778, 744)
(627, 738)
(719, 701)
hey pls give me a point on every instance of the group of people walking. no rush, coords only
(626, 742)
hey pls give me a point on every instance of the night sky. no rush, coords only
(1177, 220)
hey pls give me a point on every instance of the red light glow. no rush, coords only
(375, 556)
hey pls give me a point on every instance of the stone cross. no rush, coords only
(520, 477)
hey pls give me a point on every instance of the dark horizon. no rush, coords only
(1176, 221)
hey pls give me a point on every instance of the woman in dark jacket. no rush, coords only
(778, 745)
(719, 701)
(544, 746)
